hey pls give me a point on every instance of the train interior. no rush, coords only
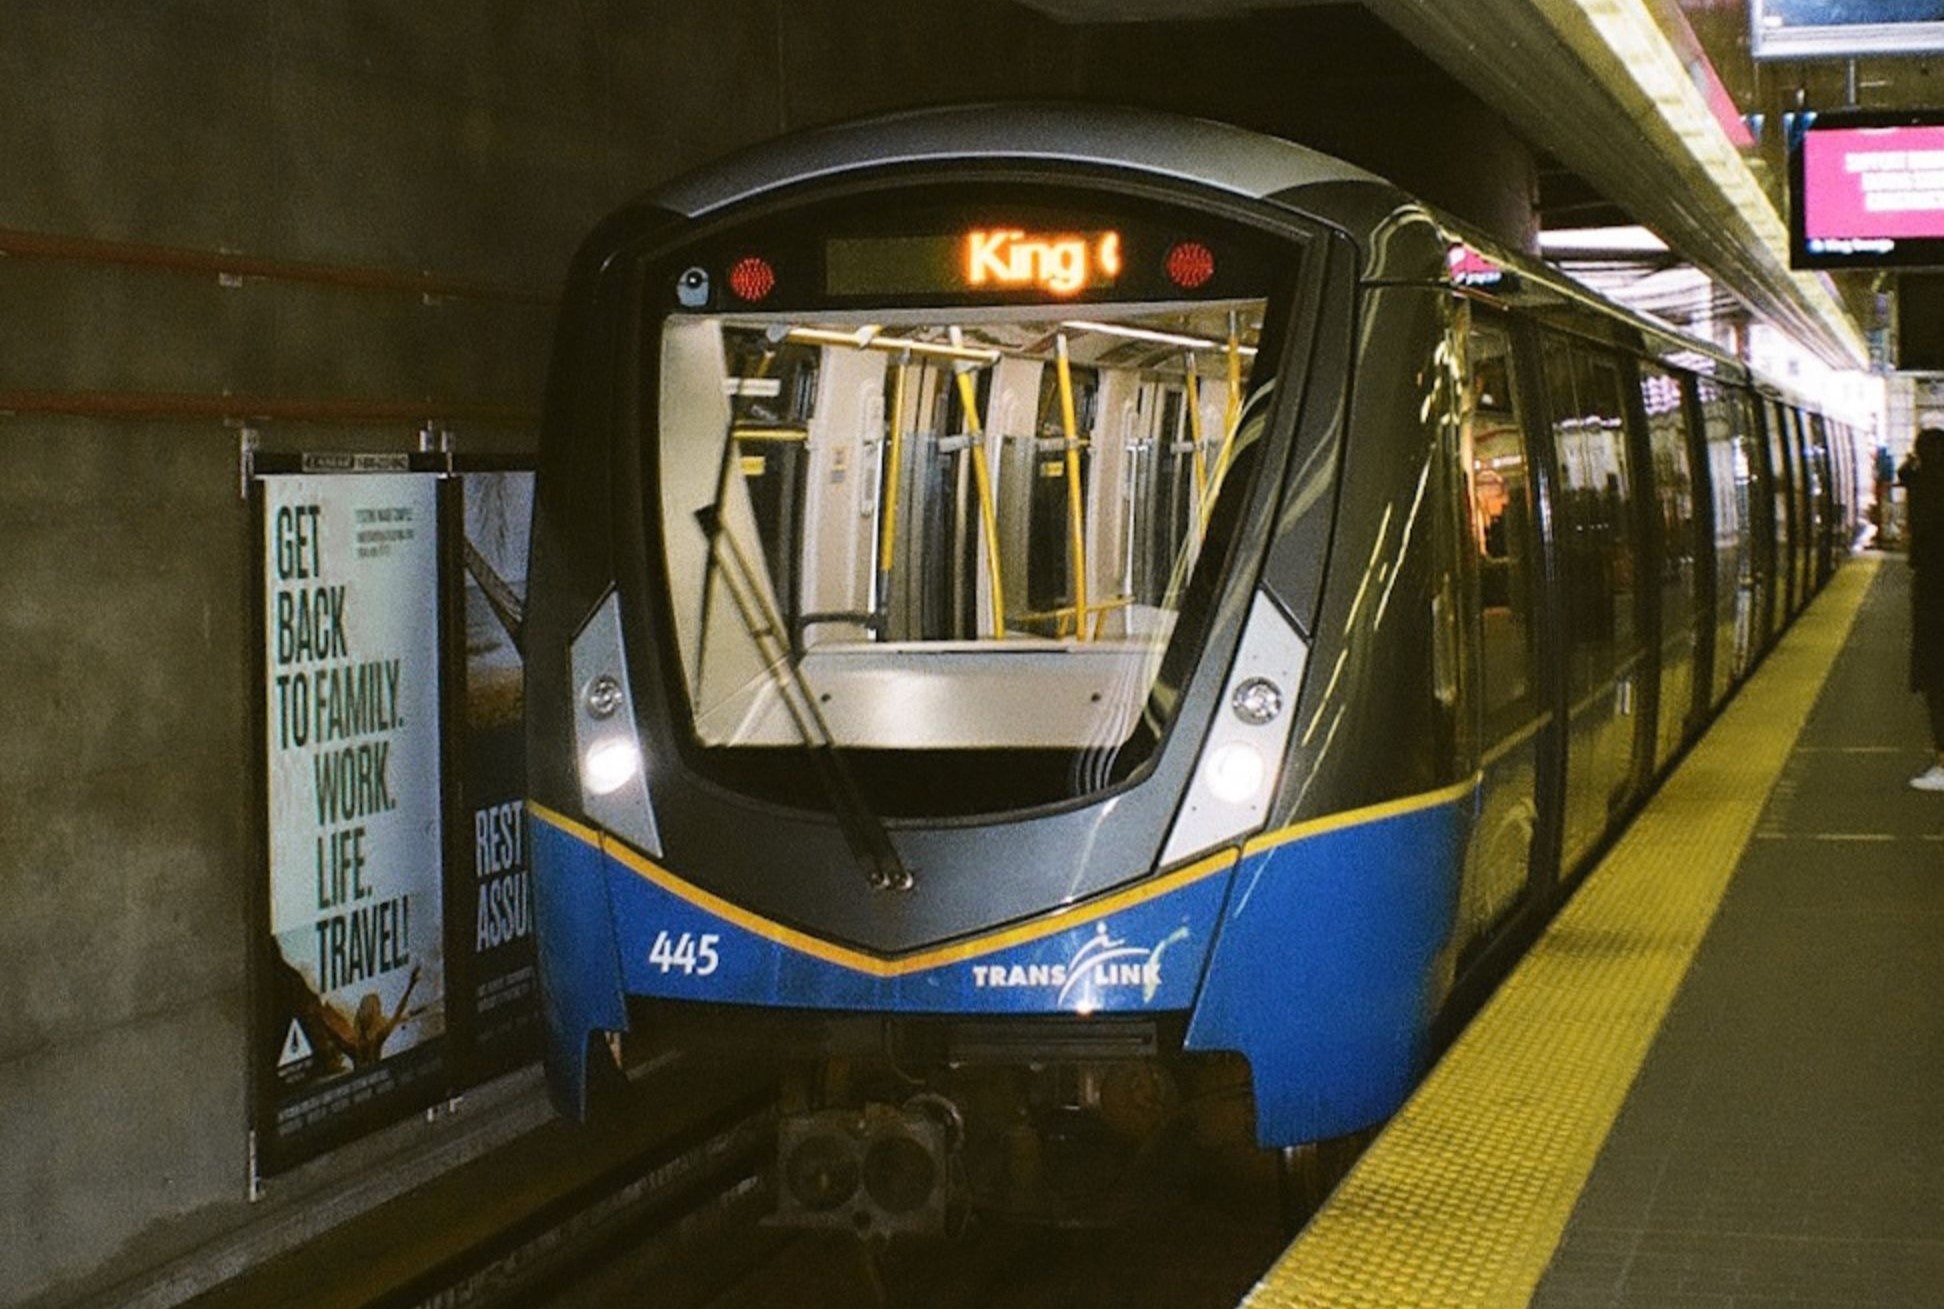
(926, 532)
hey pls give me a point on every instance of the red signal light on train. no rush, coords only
(1190, 264)
(752, 278)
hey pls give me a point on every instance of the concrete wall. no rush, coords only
(1333, 77)
(474, 139)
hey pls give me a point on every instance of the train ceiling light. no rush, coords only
(1158, 338)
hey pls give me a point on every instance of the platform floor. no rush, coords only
(1718, 1080)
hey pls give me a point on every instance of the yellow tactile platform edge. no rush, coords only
(1463, 1198)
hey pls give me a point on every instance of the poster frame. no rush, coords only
(272, 1151)
(482, 1059)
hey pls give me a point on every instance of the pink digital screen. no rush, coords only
(1470, 268)
(1873, 184)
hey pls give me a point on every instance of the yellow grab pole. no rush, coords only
(1076, 507)
(1195, 430)
(1234, 379)
(894, 455)
(988, 514)
(1230, 420)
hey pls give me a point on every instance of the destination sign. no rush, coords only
(1062, 265)
(992, 259)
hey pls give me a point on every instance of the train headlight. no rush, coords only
(610, 765)
(1247, 742)
(608, 754)
(1257, 701)
(604, 696)
(1235, 772)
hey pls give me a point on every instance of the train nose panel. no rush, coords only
(1137, 950)
(1326, 975)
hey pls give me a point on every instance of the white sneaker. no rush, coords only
(1930, 780)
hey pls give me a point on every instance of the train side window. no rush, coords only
(1815, 517)
(1595, 490)
(1663, 398)
(1667, 437)
(1760, 503)
(1782, 485)
(1735, 570)
(1496, 472)
(1594, 516)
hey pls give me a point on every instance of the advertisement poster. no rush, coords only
(354, 982)
(493, 890)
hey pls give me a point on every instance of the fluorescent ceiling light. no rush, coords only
(1632, 240)
(1630, 32)
(867, 338)
(1159, 338)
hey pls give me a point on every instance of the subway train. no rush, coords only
(1039, 612)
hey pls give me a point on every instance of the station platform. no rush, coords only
(1718, 1079)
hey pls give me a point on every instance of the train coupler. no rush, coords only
(877, 1171)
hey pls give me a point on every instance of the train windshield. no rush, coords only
(954, 508)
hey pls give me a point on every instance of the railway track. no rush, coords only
(1198, 1235)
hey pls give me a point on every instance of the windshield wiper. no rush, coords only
(865, 834)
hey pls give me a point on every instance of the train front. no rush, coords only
(903, 677)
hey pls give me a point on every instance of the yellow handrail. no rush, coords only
(1232, 419)
(888, 520)
(988, 513)
(1064, 614)
(1195, 430)
(1234, 378)
(1076, 508)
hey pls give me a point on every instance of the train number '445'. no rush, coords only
(694, 955)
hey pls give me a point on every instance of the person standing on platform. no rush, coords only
(1923, 480)
(1885, 469)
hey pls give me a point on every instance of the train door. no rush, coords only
(1169, 498)
(941, 570)
(1823, 497)
(1802, 452)
(1012, 420)
(1842, 494)
(1840, 447)
(1181, 417)
(1051, 469)
(1782, 483)
(835, 577)
(1736, 590)
(1505, 863)
(1109, 498)
(771, 408)
(1594, 515)
(1674, 591)
(1760, 540)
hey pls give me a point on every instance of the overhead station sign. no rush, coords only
(1868, 192)
(1841, 29)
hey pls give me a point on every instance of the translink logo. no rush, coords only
(1105, 963)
